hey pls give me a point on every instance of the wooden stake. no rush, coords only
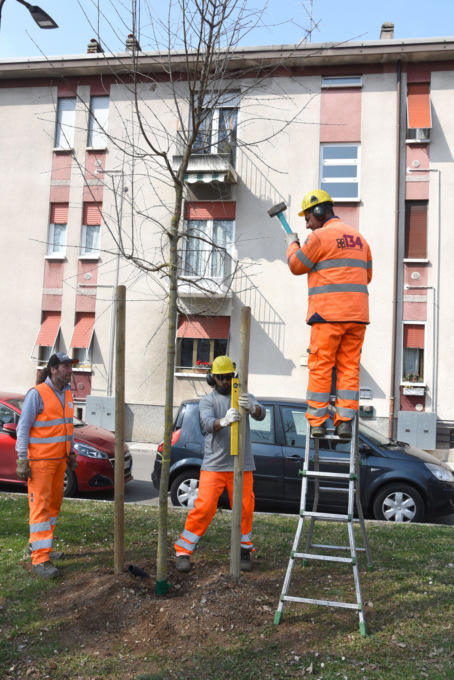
(119, 493)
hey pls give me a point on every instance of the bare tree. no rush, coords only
(199, 65)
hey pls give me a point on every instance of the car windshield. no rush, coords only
(374, 436)
(16, 403)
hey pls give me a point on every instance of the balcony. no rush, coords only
(212, 159)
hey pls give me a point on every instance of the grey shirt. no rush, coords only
(217, 456)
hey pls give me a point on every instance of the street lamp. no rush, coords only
(39, 15)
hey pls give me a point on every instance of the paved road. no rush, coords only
(141, 489)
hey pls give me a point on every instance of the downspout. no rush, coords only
(392, 396)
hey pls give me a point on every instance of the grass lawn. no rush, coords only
(90, 624)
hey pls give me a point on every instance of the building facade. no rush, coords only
(368, 122)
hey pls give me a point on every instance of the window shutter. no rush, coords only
(92, 214)
(207, 327)
(59, 213)
(83, 330)
(416, 230)
(49, 329)
(219, 210)
(419, 106)
(414, 336)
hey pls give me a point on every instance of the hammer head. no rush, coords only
(280, 207)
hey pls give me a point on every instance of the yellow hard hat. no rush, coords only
(314, 198)
(222, 365)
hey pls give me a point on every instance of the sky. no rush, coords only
(335, 21)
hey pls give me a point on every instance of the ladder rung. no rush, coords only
(327, 558)
(327, 516)
(332, 475)
(332, 489)
(334, 547)
(328, 603)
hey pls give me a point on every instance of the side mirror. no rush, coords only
(10, 428)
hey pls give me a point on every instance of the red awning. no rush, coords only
(419, 115)
(210, 327)
(83, 330)
(49, 329)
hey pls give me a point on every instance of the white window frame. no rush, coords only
(341, 81)
(403, 382)
(98, 122)
(84, 355)
(228, 100)
(51, 250)
(209, 236)
(329, 183)
(66, 122)
(89, 254)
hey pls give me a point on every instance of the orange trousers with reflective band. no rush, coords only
(45, 496)
(211, 486)
(339, 345)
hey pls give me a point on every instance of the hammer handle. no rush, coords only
(284, 222)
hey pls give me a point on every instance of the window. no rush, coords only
(295, 426)
(419, 118)
(66, 119)
(218, 132)
(201, 339)
(97, 125)
(48, 336)
(416, 230)
(262, 431)
(339, 171)
(342, 81)
(208, 249)
(81, 340)
(91, 229)
(7, 415)
(57, 229)
(413, 353)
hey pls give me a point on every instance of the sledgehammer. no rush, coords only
(278, 211)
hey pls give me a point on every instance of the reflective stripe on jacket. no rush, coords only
(338, 262)
(51, 433)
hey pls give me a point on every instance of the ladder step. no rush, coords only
(327, 603)
(328, 516)
(334, 547)
(326, 558)
(332, 475)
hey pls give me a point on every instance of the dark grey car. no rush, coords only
(397, 481)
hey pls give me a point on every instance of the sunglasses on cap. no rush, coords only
(223, 376)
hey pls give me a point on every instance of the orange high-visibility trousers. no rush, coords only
(334, 344)
(211, 485)
(45, 496)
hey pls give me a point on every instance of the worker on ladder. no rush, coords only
(338, 262)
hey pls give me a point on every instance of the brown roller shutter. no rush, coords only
(414, 336)
(419, 106)
(416, 230)
(210, 327)
(92, 214)
(49, 329)
(59, 213)
(220, 210)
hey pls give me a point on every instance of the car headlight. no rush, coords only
(89, 451)
(441, 473)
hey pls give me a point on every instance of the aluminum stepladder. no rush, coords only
(352, 477)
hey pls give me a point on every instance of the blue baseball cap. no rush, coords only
(60, 358)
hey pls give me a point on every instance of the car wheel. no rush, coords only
(184, 488)
(70, 484)
(398, 503)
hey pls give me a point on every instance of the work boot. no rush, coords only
(344, 429)
(54, 555)
(245, 560)
(45, 570)
(182, 563)
(318, 431)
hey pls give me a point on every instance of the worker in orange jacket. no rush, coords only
(45, 446)
(338, 262)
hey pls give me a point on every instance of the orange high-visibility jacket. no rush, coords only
(50, 436)
(338, 262)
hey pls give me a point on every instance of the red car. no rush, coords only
(95, 449)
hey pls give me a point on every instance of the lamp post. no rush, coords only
(39, 15)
